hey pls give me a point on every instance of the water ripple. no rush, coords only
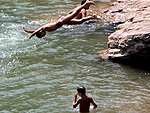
(38, 75)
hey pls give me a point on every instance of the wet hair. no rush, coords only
(39, 34)
(83, 1)
(81, 90)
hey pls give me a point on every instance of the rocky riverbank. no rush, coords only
(132, 36)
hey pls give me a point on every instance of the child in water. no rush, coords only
(84, 100)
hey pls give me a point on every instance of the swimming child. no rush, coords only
(41, 32)
(84, 100)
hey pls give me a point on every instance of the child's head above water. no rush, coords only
(81, 90)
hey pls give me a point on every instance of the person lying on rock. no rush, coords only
(41, 31)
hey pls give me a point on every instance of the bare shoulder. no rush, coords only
(79, 99)
(89, 97)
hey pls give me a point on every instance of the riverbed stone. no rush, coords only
(132, 36)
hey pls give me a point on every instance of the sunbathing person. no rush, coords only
(41, 32)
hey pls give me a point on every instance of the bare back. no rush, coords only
(85, 103)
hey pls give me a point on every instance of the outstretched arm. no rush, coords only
(28, 31)
(35, 31)
(32, 35)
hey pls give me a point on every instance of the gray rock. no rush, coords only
(132, 35)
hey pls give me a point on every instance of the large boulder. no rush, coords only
(132, 36)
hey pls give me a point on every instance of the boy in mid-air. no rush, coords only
(41, 32)
(84, 100)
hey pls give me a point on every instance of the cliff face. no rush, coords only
(132, 35)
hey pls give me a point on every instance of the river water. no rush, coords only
(41, 75)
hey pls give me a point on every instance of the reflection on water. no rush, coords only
(41, 75)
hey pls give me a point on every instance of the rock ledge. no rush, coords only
(132, 37)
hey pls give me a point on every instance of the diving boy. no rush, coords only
(41, 32)
(84, 100)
